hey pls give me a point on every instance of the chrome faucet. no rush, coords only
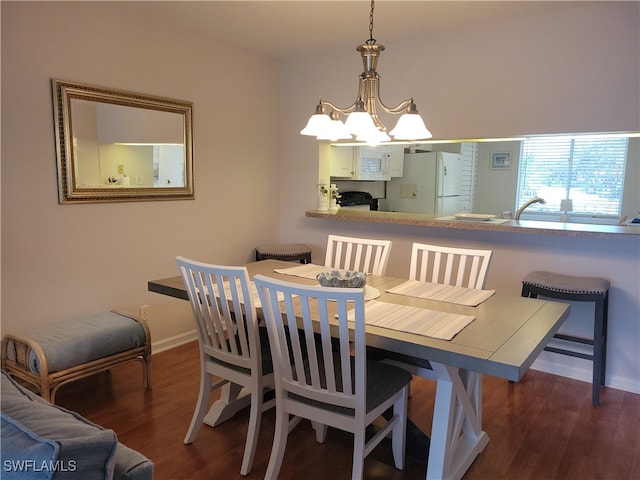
(530, 202)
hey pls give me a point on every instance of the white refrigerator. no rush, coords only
(430, 184)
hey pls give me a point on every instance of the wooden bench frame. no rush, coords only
(49, 383)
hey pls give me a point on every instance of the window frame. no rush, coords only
(578, 150)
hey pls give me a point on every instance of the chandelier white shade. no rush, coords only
(334, 131)
(410, 126)
(318, 123)
(373, 137)
(360, 123)
(362, 120)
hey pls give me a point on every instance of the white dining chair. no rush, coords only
(461, 267)
(232, 346)
(359, 254)
(327, 385)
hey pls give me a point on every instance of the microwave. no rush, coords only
(373, 164)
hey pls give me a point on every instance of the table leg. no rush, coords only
(232, 400)
(456, 434)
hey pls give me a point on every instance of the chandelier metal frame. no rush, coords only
(328, 126)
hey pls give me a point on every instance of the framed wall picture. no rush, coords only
(500, 161)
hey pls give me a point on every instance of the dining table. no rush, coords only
(499, 334)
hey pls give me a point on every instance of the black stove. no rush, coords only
(357, 199)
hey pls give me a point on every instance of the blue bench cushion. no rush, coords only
(86, 449)
(75, 342)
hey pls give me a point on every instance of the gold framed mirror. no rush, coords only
(120, 146)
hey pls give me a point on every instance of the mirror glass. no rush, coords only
(489, 183)
(115, 145)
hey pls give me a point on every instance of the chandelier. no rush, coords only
(363, 121)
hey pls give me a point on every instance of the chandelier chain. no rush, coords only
(371, 39)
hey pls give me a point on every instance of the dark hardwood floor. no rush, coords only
(543, 427)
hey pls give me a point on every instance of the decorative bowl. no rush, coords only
(342, 278)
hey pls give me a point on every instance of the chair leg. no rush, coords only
(359, 440)
(399, 432)
(201, 406)
(255, 415)
(146, 371)
(605, 321)
(279, 444)
(598, 351)
(321, 431)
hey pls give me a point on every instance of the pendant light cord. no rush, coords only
(371, 40)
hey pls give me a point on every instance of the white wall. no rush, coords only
(572, 71)
(60, 261)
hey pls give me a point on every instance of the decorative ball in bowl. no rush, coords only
(342, 279)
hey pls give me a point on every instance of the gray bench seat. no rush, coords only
(52, 355)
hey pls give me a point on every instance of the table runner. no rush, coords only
(442, 293)
(309, 270)
(421, 321)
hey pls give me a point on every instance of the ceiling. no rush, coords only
(291, 28)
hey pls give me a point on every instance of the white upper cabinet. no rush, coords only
(343, 162)
(362, 163)
(396, 168)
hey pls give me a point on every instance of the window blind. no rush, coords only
(589, 171)
(469, 152)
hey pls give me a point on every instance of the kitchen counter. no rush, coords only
(582, 230)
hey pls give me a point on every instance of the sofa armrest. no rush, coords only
(131, 465)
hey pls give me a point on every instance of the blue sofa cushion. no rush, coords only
(85, 450)
(71, 343)
(25, 454)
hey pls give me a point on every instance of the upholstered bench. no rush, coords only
(50, 356)
(578, 289)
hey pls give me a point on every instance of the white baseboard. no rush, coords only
(168, 343)
(585, 374)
